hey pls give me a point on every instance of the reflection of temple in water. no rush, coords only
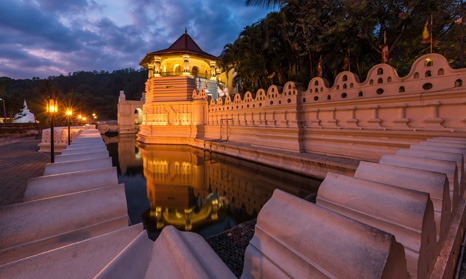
(190, 190)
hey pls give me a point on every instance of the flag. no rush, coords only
(385, 48)
(346, 61)
(460, 20)
(319, 67)
(206, 83)
(426, 37)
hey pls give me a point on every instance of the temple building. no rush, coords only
(184, 58)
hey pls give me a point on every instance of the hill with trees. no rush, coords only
(87, 92)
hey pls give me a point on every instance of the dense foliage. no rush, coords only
(287, 44)
(87, 92)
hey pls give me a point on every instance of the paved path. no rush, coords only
(19, 161)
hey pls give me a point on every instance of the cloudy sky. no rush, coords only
(40, 38)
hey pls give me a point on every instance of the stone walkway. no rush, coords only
(19, 161)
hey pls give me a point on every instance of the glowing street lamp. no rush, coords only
(52, 108)
(79, 117)
(69, 112)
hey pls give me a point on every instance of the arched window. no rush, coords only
(416, 75)
(177, 70)
(428, 63)
(428, 73)
(402, 89)
(458, 83)
(441, 72)
(389, 79)
(345, 78)
(379, 71)
(380, 80)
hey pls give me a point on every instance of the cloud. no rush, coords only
(52, 37)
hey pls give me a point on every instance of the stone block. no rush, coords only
(77, 157)
(131, 262)
(42, 219)
(71, 182)
(406, 214)
(85, 145)
(439, 155)
(83, 259)
(433, 183)
(296, 239)
(447, 167)
(184, 255)
(83, 150)
(63, 167)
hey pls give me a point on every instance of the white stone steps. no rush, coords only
(83, 259)
(444, 143)
(42, 219)
(405, 213)
(449, 149)
(70, 182)
(297, 239)
(77, 157)
(85, 145)
(80, 165)
(461, 140)
(433, 183)
(447, 167)
(83, 150)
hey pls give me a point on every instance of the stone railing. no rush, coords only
(60, 137)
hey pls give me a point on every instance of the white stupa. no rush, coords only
(25, 116)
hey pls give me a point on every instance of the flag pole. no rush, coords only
(431, 33)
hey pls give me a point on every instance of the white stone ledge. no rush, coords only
(185, 255)
(77, 157)
(439, 155)
(298, 239)
(447, 167)
(406, 214)
(81, 165)
(433, 183)
(83, 150)
(36, 220)
(83, 259)
(71, 182)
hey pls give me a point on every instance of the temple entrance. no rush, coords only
(177, 70)
(195, 71)
(137, 116)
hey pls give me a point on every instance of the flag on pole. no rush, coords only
(385, 48)
(460, 21)
(346, 61)
(319, 67)
(206, 83)
(426, 37)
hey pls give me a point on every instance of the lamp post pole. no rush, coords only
(4, 110)
(69, 113)
(52, 140)
(52, 108)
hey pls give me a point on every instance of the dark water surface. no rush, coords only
(193, 190)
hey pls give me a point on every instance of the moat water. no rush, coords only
(194, 190)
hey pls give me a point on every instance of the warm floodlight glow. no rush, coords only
(52, 105)
(80, 116)
(84, 118)
(69, 112)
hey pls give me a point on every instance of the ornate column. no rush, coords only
(186, 65)
(151, 71)
(157, 65)
(212, 70)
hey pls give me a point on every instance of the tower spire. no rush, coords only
(186, 30)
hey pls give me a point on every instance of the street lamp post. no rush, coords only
(52, 107)
(4, 110)
(69, 112)
(79, 121)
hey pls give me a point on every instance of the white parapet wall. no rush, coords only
(406, 214)
(318, 243)
(433, 183)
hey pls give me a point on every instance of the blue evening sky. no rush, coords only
(40, 38)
